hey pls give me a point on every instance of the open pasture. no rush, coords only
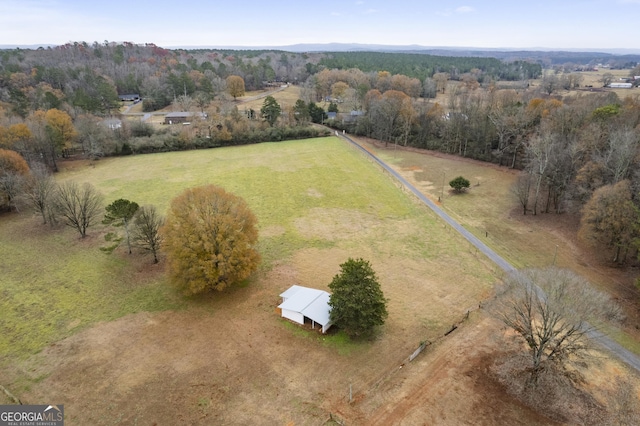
(106, 333)
(490, 211)
(286, 98)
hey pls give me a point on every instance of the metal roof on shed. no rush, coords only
(179, 114)
(312, 303)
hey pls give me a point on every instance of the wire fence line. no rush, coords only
(623, 354)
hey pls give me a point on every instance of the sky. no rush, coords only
(544, 24)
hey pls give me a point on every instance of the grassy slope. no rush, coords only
(54, 284)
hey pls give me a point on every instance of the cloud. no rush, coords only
(465, 9)
(370, 11)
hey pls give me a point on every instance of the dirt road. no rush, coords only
(622, 353)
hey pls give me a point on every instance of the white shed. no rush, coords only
(621, 85)
(300, 302)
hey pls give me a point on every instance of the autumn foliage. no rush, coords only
(12, 163)
(209, 240)
(235, 86)
(13, 169)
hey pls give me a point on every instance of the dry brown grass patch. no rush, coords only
(334, 224)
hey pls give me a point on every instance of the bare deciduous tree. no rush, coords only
(11, 185)
(184, 102)
(521, 189)
(39, 192)
(539, 152)
(441, 79)
(146, 230)
(430, 88)
(548, 309)
(621, 152)
(80, 206)
(550, 83)
(606, 79)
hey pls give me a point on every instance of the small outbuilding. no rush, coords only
(300, 303)
(621, 85)
(183, 117)
(129, 97)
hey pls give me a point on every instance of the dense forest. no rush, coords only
(422, 66)
(578, 151)
(86, 74)
(565, 59)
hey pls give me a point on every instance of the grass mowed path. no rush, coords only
(318, 202)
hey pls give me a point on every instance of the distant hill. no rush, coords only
(537, 54)
(414, 48)
(613, 57)
(534, 54)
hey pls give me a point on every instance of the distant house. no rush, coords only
(131, 97)
(303, 303)
(352, 117)
(183, 117)
(332, 115)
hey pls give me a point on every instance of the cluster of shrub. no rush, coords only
(164, 141)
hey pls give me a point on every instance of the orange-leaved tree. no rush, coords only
(12, 162)
(235, 86)
(60, 133)
(209, 239)
(13, 171)
(16, 134)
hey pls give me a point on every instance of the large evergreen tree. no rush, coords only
(357, 304)
(270, 110)
(120, 212)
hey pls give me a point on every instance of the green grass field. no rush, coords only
(53, 284)
(311, 197)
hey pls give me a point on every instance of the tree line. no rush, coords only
(54, 100)
(578, 154)
(422, 66)
(89, 77)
